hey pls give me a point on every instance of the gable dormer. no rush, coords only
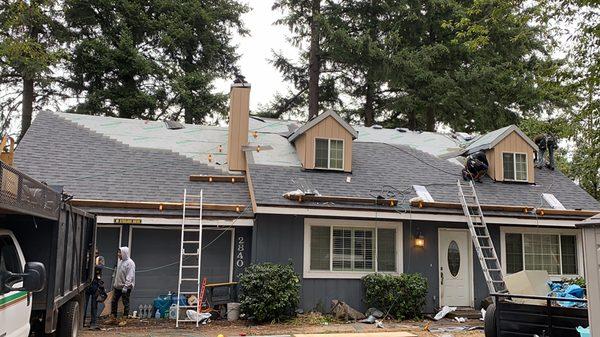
(509, 152)
(325, 143)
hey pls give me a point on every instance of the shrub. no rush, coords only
(269, 292)
(403, 295)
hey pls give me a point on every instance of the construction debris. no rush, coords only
(343, 311)
(442, 313)
(374, 312)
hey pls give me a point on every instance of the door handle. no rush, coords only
(442, 277)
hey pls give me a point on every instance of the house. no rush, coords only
(335, 200)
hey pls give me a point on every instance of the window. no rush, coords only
(555, 253)
(329, 153)
(352, 249)
(515, 166)
(9, 259)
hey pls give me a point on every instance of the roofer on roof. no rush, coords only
(546, 141)
(476, 166)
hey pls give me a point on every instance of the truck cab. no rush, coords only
(17, 280)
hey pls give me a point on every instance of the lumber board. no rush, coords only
(342, 199)
(154, 205)
(506, 208)
(215, 178)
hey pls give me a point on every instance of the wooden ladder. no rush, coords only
(484, 247)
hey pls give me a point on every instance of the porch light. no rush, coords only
(419, 240)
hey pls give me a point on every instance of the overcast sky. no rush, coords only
(255, 51)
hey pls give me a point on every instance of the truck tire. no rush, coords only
(69, 319)
(490, 321)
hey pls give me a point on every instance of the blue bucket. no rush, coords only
(583, 332)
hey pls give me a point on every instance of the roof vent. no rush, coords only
(402, 129)
(173, 125)
(377, 126)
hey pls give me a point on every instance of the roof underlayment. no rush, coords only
(197, 142)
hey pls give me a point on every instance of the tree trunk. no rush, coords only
(369, 108)
(412, 120)
(314, 62)
(430, 120)
(27, 106)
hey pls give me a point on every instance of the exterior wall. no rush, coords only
(327, 128)
(279, 239)
(512, 143)
(155, 250)
(591, 237)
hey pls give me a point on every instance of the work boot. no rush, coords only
(111, 321)
(123, 322)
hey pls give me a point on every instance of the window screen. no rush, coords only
(321, 153)
(520, 166)
(568, 249)
(336, 160)
(514, 253)
(319, 248)
(386, 249)
(508, 162)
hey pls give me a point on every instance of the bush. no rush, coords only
(269, 292)
(403, 295)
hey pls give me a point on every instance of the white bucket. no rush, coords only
(233, 311)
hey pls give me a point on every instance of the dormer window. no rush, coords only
(325, 143)
(515, 166)
(329, 154)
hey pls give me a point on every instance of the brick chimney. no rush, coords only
(239, 113)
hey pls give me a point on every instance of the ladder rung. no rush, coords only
(192, 230)
(190, 267)
(489, 257)
(490, 269)
(191, 241)
(190, 254)
(483, 236)
(497, 281)
(189, 279)
(486, 247)
(188, 292)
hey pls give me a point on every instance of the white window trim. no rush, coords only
(555, 231)
(515, 166)
(328, 274)
(329, 154)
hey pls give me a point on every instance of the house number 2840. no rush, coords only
(239, 257)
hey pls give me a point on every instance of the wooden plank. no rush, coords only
(507, 208)
(153, 205)
(342, 199)
(220, 178)
(360, 334)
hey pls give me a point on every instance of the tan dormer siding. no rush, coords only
(239, 113)
(328, 128)
(513, 143)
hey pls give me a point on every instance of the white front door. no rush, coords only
(455, 267)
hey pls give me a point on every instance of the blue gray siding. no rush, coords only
(279, 239)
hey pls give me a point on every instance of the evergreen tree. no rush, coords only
(149, 59)
(30, 47)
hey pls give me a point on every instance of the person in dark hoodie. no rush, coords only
(123, 283)
(93, 291)
(476, 166)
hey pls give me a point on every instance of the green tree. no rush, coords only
(149, 59)
(30, 48)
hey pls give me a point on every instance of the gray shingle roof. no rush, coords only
(92, 166)
(490, 139)
(377, 167)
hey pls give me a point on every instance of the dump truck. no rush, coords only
(46, 258)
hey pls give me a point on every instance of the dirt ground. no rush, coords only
(302, 324)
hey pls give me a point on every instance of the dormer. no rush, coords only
(509, 152)
(325, 143)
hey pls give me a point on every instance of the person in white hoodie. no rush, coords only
(123, 283)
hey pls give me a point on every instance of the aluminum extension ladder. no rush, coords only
(492, 270)
(189, 282)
